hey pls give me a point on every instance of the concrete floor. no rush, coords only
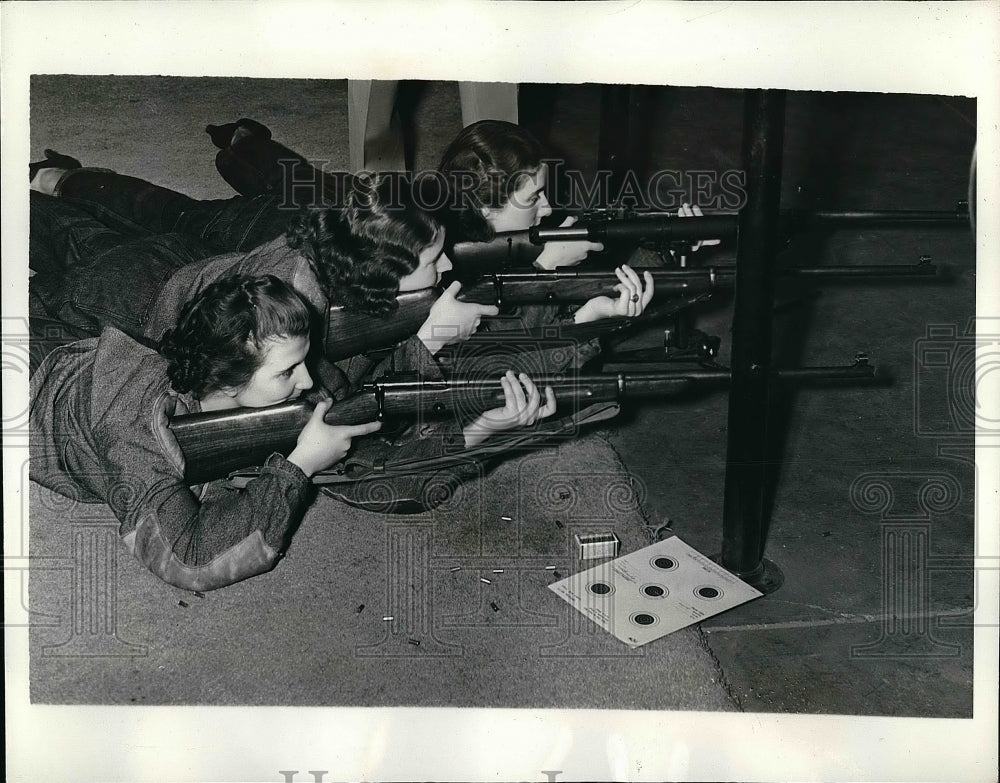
(834, 638)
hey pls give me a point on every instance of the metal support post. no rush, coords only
(746, 457)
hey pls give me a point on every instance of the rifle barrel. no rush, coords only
(472, 396)
(922, 269)
(661, 227)
(860, 370)
(649, 227)
(954, 218)
(957, 218)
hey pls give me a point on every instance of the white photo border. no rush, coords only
(934, 48)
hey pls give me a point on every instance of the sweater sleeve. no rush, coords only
(410, 356)
(396, 483)
(199, 542)
(420, 441)
(547, 355)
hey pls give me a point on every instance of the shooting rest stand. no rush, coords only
(759, 239)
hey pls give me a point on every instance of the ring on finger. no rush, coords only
(635, 297)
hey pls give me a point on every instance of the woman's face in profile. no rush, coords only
(525, 208)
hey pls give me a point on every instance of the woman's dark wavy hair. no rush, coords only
(360, 252)
(484, 165)
(219, 341)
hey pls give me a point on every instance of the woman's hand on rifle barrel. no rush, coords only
(632, 298)
(522, 408)
(557, 254)
(452, 321)
(320, 445)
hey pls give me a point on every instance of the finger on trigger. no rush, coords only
(550, 401)
(363, 429)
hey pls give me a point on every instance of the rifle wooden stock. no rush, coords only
(352, 333)
(217, 443)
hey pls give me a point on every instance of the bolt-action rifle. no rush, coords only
(350, 333)
(663, 231)
(216, 444)
(509, 250)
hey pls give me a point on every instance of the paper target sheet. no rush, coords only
(653, 591)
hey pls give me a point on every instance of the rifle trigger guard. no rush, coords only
(497, 291)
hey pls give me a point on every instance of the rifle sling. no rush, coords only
(542, 435)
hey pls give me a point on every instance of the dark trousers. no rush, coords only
(134, 205)
(102, 251)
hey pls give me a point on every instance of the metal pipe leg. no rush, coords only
(746, 458)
